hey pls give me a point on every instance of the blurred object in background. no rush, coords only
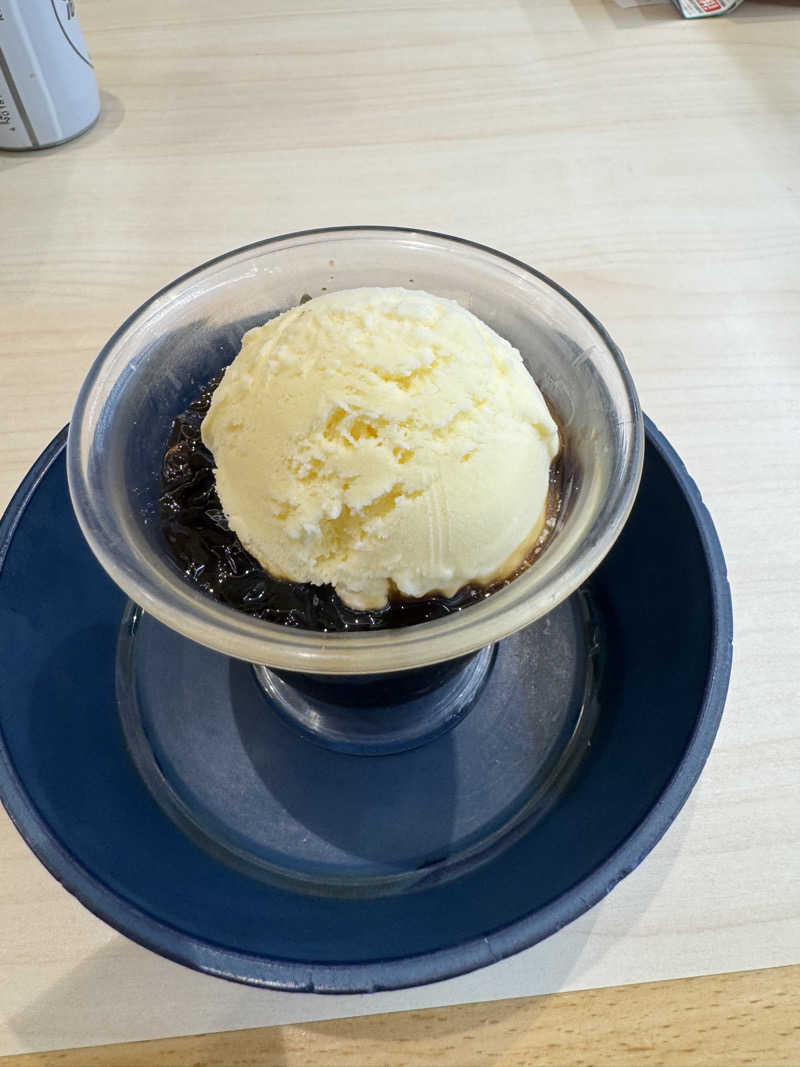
(48, 91)
(698, 9)
(690, 9)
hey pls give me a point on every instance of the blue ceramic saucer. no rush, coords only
(108, 798)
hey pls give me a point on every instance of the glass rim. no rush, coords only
(200, 618)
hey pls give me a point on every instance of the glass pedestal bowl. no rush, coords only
(369, 763)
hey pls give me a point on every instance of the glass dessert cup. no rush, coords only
(479, 718)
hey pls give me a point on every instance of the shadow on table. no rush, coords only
(570, 959)
(623, 18)
(631, 18)
(766, 10)
(112, 113)
(123, 992)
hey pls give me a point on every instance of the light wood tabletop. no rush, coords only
(723, 1020)
(647, 163)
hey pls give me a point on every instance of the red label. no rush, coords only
(710, 5)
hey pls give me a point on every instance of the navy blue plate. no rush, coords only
(70, 786)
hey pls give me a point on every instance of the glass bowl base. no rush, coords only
(216, 752)
(377, 714)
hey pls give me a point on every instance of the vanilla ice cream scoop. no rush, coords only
(380, 440)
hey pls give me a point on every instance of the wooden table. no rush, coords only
(648, 164)
(721, 1021)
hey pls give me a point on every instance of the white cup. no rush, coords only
(48, 91)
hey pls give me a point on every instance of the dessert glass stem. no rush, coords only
(377, 714)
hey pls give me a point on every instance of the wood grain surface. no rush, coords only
(647, 163)
(719, 1021)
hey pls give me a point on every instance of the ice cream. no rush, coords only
(381, 440)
